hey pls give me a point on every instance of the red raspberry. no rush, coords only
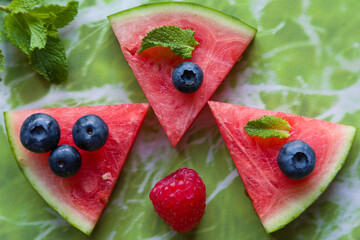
(180, 199)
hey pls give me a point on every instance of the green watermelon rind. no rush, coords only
(286, 217)
(76, 221)
(224, 18)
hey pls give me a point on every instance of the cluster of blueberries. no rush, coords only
(40, 133)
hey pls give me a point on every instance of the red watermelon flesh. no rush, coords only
(81, 198)
(276, 198)
(222, 40)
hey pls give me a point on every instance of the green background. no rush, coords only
(304, 60)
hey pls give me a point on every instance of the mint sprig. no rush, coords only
(180, 41)
(268, 126)
(33, 27)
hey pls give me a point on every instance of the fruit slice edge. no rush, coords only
(276, 199)
(222, 39)
(81, 198)
(181, 6)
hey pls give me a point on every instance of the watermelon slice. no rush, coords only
(222, 40)
(81, 198)
(277, 199)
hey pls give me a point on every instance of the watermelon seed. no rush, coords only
(106, 176)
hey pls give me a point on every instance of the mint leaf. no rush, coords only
(64, 15)
(50, 61)
(180, 41)
(34, 30)
(37, 30)
(21, 6)
(52, 32)
(25, 31)
(17, 31)
(56, 16)
(268, 126)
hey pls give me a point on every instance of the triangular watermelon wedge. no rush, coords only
(81, 198)
(277, 199)
(222, 40)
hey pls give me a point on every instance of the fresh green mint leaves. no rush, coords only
(33, 26)
(268, 126)
(180, 41)
(22, 6)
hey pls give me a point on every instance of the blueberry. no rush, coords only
(40, 133)
(296, 159)
(65, 161)
(187, 77)
(90, 132)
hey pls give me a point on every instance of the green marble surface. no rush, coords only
(304, 60)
